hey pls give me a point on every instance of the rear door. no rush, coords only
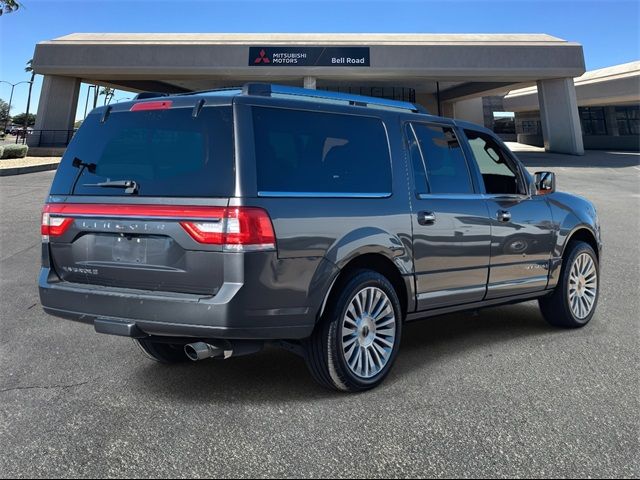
(451, 232)
(180, 170)
(521, 227)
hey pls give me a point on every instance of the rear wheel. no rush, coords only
(355, 344)
(573, 302)
(162, 352)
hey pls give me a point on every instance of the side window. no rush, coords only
(447, 170)
(310, 152)
(498, 172)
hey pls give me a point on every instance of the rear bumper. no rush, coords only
(133, 313)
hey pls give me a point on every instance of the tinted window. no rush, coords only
(166, 152)
(300, 151)
(497, 169)
(447, 170)
(592, 120)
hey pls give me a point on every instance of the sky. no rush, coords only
(608, 29)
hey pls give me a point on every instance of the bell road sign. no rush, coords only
(309, 56)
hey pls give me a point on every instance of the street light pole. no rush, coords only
(13, 85)
(86, 103)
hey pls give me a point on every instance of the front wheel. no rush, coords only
(355, 344)
(573, 302)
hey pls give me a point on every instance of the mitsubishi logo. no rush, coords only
(262, 58)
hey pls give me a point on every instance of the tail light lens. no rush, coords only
(238, 229)
(53, 226)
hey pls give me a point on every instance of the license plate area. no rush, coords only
(128, 249)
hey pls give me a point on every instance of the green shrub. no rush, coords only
(1, 150)
(14, 151)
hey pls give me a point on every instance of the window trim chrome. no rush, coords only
(272, 194)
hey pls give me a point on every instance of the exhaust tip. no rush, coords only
(191, 353)
(202, 351)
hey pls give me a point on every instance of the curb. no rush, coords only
(5, 172)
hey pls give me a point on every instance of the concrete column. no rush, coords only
(470, 110)
(57, 107)
(310, 82)
(559, 116)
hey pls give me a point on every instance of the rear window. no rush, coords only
(168, 153)
(310, 152)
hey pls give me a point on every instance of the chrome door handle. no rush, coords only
(504, 216)
(426, 218)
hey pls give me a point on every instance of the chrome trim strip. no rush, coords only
(324, 195)
(451, 196)
(451, 292)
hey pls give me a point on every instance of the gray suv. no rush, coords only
(203, 225)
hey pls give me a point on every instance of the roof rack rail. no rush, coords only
(269, 90)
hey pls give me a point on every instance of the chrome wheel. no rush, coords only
(368, 332)
(583, 286)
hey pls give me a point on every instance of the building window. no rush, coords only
(530, 127)
(628, 119)
(592, 120)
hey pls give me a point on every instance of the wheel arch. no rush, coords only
(377, 262)
(582, 233)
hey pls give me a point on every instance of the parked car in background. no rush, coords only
(206, 224)
(21, 132)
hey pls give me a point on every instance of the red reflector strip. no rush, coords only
(142, 211)
(161, 105)
(230, 227)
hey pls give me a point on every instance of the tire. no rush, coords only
(331, 353)
(567, 306)
(166, 353)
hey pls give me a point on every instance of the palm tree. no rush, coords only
(108, 94)
(29, 69)
(8, 6)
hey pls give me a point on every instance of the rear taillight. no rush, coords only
(53, 226)
(239, 229)
(236, 229)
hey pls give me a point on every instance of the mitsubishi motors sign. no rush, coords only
(309, 56)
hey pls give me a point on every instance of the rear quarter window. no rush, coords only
(311, 152)
(166, 152)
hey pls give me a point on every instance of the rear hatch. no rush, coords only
(140, 195)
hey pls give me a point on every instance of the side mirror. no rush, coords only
(545, 183)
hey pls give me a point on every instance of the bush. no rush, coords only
(1, 150)
(14, 151)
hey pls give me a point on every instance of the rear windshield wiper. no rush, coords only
(77, 163)
(130, 186)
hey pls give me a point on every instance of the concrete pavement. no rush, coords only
(498, 394)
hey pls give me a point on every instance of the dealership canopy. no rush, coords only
(447, 74)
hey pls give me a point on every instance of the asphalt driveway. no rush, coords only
(495, 394)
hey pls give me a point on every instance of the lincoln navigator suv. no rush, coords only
(204, 225)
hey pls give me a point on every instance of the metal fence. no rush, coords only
(46, 138)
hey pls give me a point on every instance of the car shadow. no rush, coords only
(275, 375)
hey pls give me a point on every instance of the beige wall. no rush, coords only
(469, 110)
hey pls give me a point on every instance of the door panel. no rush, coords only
(451, 254)
(521, 231)
(451, 230)
(520, 247)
